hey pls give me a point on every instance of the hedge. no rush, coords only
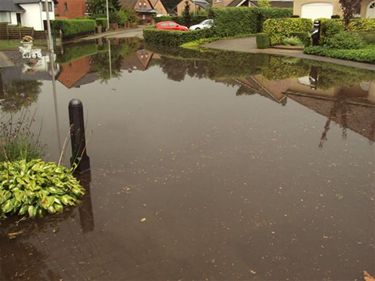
(366, 54)
(232, 21)
(368, 37)
(263, 41)
(74, 27)
(173, 38)
(195, 19)
(102, 22)
(278, 29)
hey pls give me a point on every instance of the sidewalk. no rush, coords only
(248, 45)
(122, 33)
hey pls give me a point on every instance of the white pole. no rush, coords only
(50, 42)
(107, 6)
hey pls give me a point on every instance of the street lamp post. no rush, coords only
(107, 7)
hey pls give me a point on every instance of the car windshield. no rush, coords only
(172, 24)
(206, 22)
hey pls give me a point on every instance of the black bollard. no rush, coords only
(315, 35)
(77, 136)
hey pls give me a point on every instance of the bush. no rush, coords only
(292, 41)
(345, 40)
(102, 22)
(244, 20)
(362, 25)
(368, 37)
(74, 27)
(263, 41)
(36, 188)
(303, 36)
(361, 55)
(279, 29)
(122, 17)
(195, 19)
(173, 38)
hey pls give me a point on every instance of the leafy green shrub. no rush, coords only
(278, 29)
(368, 37)
(36, 188)
(74, 27)
(362, 25)
(102, 22)
(263, 41)
(194, 19)
(173, 38)
(122, 17)
(292, 41)
(232, 21)
(366, 54)
(345, 40)
(303, 36)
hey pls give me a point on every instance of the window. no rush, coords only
(4, 17)
(49, 6)
(372, 6)
(65, 7)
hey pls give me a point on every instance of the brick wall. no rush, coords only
(70, 9)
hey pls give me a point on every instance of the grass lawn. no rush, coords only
(366, 54)
(14, 44)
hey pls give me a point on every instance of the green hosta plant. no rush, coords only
(36, 188)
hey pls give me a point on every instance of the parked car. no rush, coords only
(170, 25)
(204, 24)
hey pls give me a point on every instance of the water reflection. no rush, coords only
(224, 166)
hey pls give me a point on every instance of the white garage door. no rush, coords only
(317, 10)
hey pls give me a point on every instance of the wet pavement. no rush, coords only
(204, 166)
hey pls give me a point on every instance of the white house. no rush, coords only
(30, 13)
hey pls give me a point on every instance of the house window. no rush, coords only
(372, 6)
(49, 6)
(4, 17)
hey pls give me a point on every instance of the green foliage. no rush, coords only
(102, 22)
(232, 21)
(362, 25)
(368, 37)
(303, 36)
(263, 40)
(366, 54)
(173, 38)
(98, 7)
(36, 188)
(264, 4)
(122, 17)
(279, 68)
(345, 40)
(292, 41)
(17, 142)
(278, 29)
(74, 27)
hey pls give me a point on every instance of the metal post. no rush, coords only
(77, 135)
(50, 42)
(107, 7)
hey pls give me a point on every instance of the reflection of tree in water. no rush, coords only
(339, 111)
(20, 93)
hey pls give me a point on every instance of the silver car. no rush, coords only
(204, 24)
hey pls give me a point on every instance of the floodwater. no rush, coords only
(204, 166)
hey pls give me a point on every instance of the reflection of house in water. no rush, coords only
(351, 107)
(140, 60)
(76, 73)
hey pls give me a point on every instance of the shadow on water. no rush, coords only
(204, 165)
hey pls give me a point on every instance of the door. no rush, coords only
(19, 19)
(371, 11)
(317, 10)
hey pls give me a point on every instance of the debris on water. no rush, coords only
(143, 220)
(367, 276)
(13, 235)
(252, 271)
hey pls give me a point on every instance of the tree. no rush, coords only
(348, 7)
(186, 14)
(264, 3)
(98, 7)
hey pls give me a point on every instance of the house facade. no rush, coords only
(70, 9)
(29, 13)
(327, 8)
(145, 9)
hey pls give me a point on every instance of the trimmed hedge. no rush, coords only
(361, 55)
(74, 27)
(279, 29)
(232, 21)
(102, 22)
(345, 40)
(368, 37)
(173, 38)
(263, 41)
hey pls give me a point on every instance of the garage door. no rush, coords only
(317, 10)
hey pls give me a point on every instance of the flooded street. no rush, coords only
(204, 166)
